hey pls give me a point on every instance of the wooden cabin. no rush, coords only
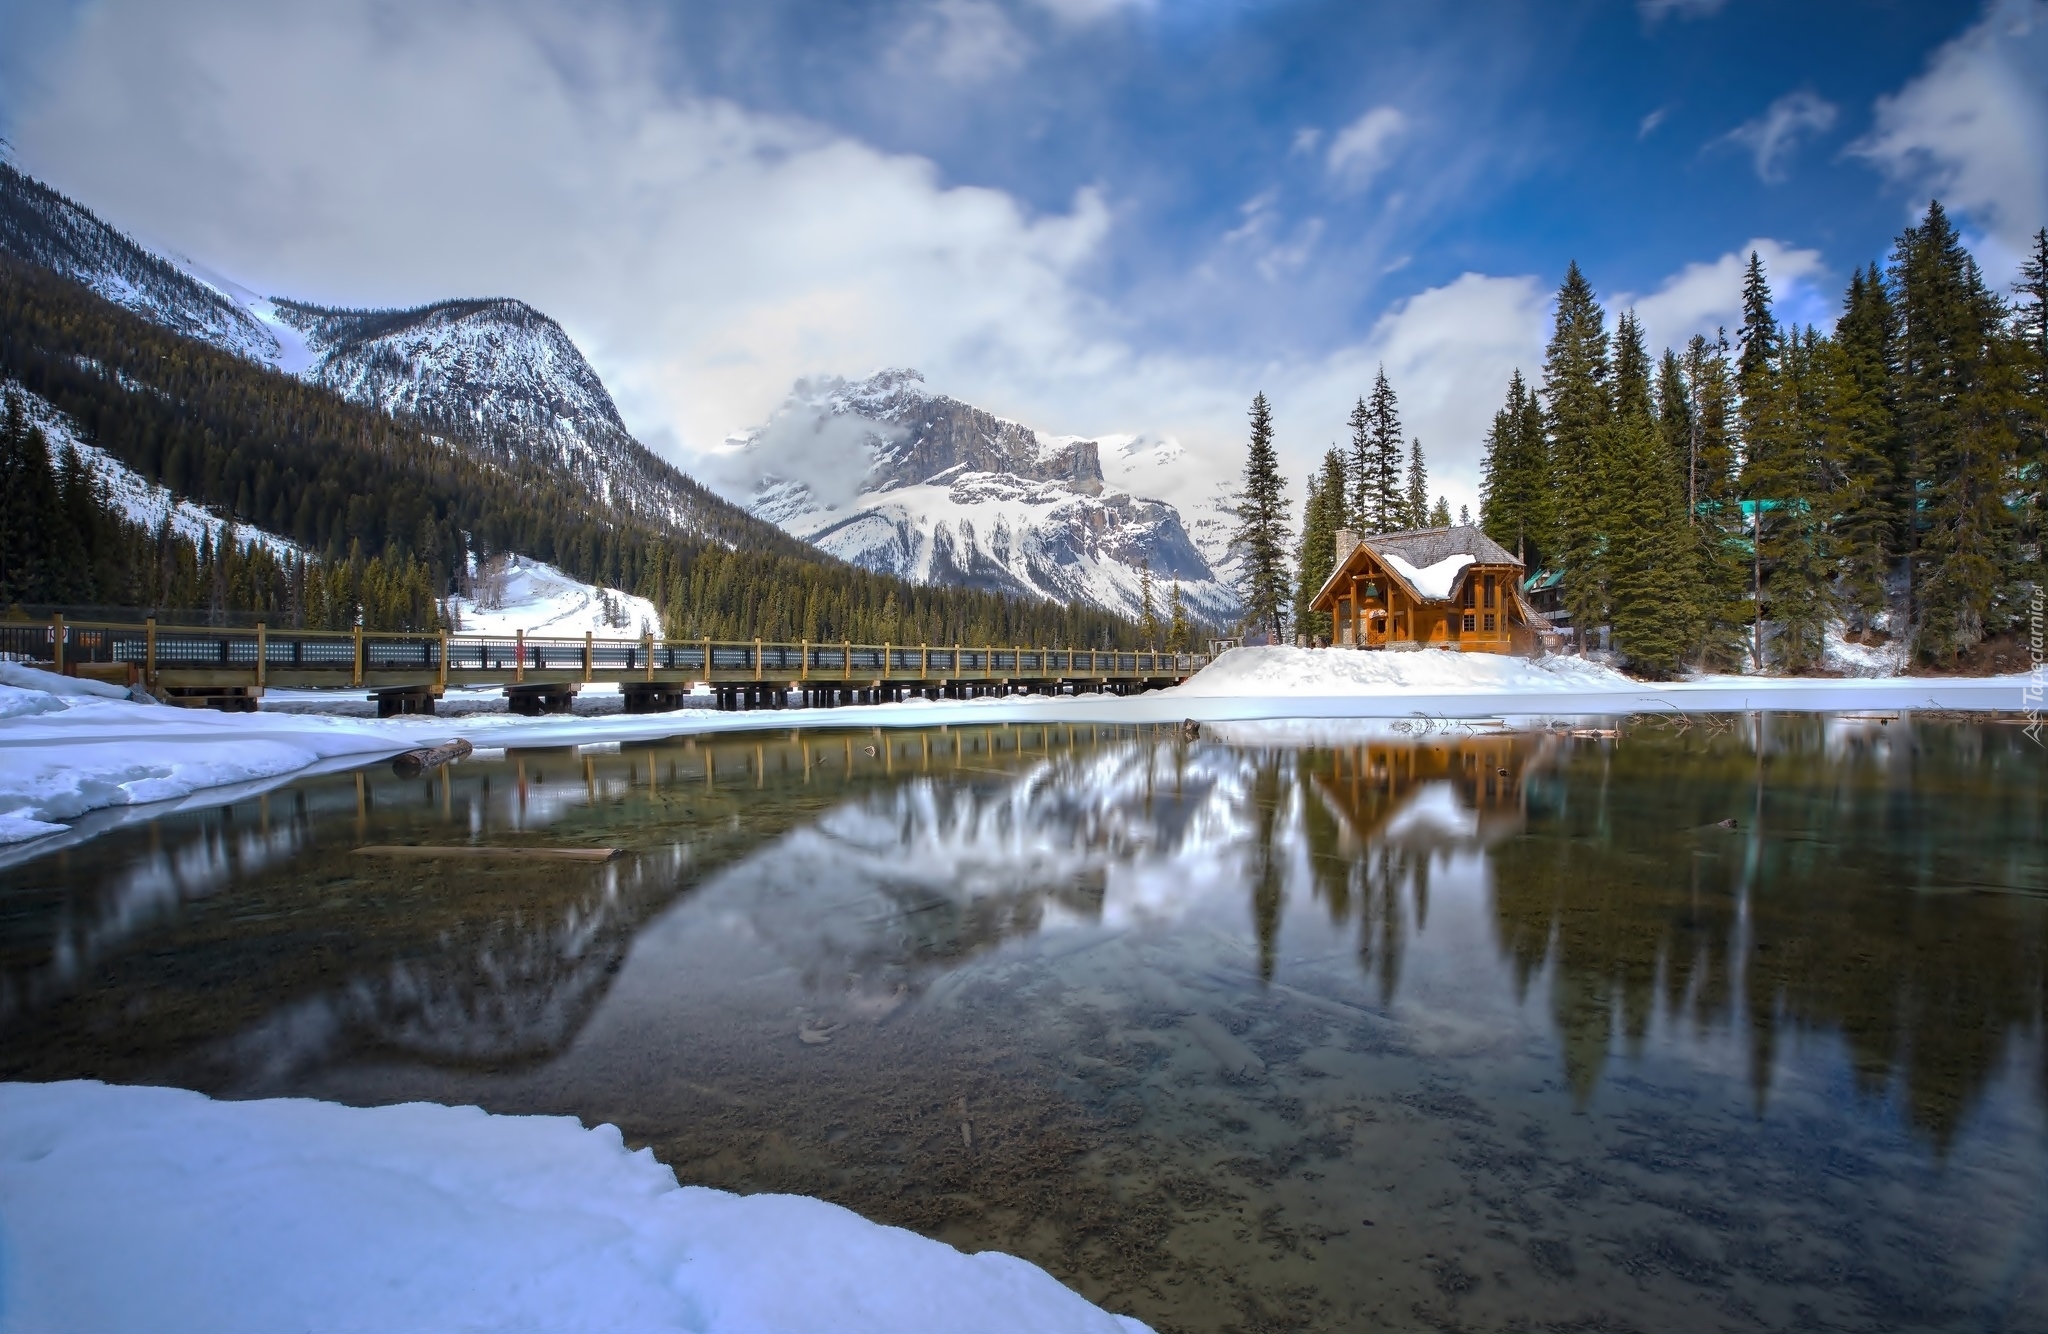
(1447, 588)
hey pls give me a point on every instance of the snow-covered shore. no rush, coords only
(146, 1209)
(67, 750)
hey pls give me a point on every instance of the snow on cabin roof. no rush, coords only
(1424, 558)
(1422, 547)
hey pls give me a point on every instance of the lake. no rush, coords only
(1720, 1023)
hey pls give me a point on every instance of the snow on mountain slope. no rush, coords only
(141, 500)
(42, 227)
(513, 593)
(496, 374)
(885, 474)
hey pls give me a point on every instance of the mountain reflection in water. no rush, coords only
(1155, 1012)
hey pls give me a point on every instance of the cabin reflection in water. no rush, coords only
(1462, 793)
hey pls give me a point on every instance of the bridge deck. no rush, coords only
(193, 661)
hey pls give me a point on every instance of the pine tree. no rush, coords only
(1959, 388)
(1756, 378)
(1649, 545)
(1861, 447)
(1713, 502)
(1179, 636)
(1321, 517)
(2030, 327)
(1415, 513)
(1440, 514)
(1148, 614)
(1261, 539)
(1651, 550)
(1358, 463)
(1576, 387)
(1377, 502)
(1675, 419)
(1514, 487)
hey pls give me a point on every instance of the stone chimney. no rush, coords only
(1347, 542)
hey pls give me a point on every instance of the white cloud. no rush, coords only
(1973, 128)
(963, 41)
(1648, 125)
(1306, 140)
(1772, 137)
(1702, 297)
(704, 256)
(1654, 11)
(1365, 146)
(1080, 13)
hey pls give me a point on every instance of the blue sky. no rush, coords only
(1103, 217)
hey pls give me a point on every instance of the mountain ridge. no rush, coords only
(901, 479)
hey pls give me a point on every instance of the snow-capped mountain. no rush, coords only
(42, 227)
(497, 375)
(500, 373)
(886, 474)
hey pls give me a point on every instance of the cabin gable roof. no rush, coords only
(1422, 548)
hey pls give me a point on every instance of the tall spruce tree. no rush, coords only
(1959, 387)
(1861, 448)
(1179, 635)
(1576, 388)
(1148, 610)
(1649, 545)
(1321, 517)
(1440, 515)
(2030, 324)
(1261, 539)
(1377, 503)
(1675, 420)
(1756, 379)
(1721, 557)
(1358, 465)
(1514, 486)
(1415, 513)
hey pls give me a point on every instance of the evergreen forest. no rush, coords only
(1724, 505)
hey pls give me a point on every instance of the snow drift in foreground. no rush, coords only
(149, 1209)
(1323, 672)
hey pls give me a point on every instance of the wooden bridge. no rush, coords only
(408, 672)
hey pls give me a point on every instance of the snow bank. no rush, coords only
(1432, 581)
(1326, 672)
(69, 747)
(150, 1209)
(536, 597)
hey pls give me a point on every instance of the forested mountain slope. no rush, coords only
(337, 477)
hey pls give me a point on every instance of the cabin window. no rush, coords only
(1489, 596)
(1468, 591)
(1469, 618)
(1489, 621)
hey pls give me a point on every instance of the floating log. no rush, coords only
(413, 763)
(468, 850)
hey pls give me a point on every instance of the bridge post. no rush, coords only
(57, 643)
(647, 647)
(149, 653)
(357, 678)
(444, 658)
(846, 659)
(262, 654)
(519, 655)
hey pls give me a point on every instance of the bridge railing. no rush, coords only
(359, 657)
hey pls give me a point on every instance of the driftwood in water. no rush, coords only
(416, 762)
(469, 850)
